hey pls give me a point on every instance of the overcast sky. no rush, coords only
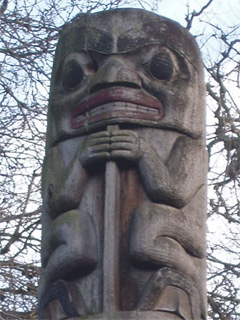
(223, 11)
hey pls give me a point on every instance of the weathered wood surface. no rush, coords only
(124, 178)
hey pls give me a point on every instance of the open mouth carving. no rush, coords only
(116, 103)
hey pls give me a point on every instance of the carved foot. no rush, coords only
(61, 300)
(172, 292)
(176, 301)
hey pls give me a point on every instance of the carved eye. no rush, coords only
(161, 66)
(72, 74)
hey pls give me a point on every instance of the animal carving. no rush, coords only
(125, 142)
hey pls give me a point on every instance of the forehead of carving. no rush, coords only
(124, 30)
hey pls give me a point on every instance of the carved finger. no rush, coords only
(98, 156)
(122, 146)
(99, 148)
(97, 141)
(124, 133)
(129, 155)
(100, 134)
(123, 138)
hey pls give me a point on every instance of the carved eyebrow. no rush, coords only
(98, 40)
(88, 38)
(133, 39)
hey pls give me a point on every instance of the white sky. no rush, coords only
(221, 10)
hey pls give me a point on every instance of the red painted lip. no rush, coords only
(113, 95)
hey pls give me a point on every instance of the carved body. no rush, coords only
(151, 166)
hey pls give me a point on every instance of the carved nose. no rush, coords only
(115, 73)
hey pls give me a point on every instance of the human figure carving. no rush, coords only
(124, 174)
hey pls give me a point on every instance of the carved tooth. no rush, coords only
(142, 109)
(80, 118)
(119, 106)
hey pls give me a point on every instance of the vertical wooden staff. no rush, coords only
(111, 235)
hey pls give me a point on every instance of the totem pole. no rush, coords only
(124, 178)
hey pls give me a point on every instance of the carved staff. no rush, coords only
(111, 236)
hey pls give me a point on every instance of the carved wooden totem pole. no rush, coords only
(124, 192)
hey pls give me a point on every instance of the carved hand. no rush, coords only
(95, 149)
(125, 144)
(105, 145)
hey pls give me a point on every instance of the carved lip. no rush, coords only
(117, 95)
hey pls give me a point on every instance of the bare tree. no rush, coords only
(220, 45)
(29, 32)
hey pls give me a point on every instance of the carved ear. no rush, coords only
(60, 299)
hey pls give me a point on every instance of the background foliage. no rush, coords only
(29, 32)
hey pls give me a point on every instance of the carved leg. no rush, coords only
(162, 239)
(70, 254)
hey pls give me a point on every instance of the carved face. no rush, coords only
(135, 68)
